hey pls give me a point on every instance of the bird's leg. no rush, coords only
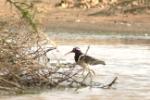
(87, 69)
(84, 66)
(91, 73)
(87, 72)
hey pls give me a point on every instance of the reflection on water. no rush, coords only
(129, 62)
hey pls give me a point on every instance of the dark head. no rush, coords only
(75, 50)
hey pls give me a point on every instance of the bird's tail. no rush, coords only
(102, 62)
(99, 62)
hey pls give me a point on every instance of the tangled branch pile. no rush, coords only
(23, 59)
(24, 63)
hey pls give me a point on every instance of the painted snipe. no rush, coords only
(84, 60)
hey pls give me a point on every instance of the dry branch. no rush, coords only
(22, 65)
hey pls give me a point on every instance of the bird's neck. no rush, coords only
(77, 55)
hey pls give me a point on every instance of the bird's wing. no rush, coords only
(90, 60)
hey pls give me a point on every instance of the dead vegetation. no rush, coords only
(24, 61)
(108, 7)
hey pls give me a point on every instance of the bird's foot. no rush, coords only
(92, 72)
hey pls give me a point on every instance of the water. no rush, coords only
(129, 62)
(100, 38)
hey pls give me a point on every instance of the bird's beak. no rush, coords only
(68, 53)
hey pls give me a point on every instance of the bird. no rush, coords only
(85, 60)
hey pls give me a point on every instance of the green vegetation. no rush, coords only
(27, 12)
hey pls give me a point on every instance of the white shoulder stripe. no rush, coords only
(80, 57)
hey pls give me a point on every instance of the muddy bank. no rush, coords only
(73, 21)
(55, 19)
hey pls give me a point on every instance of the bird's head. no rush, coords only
(74, 50)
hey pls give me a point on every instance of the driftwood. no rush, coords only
(109, 85)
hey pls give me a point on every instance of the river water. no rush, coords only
(129, 62)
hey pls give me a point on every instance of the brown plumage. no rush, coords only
(90, 60)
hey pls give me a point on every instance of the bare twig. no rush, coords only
(107, 86)
(11, 83)
(87, 49)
